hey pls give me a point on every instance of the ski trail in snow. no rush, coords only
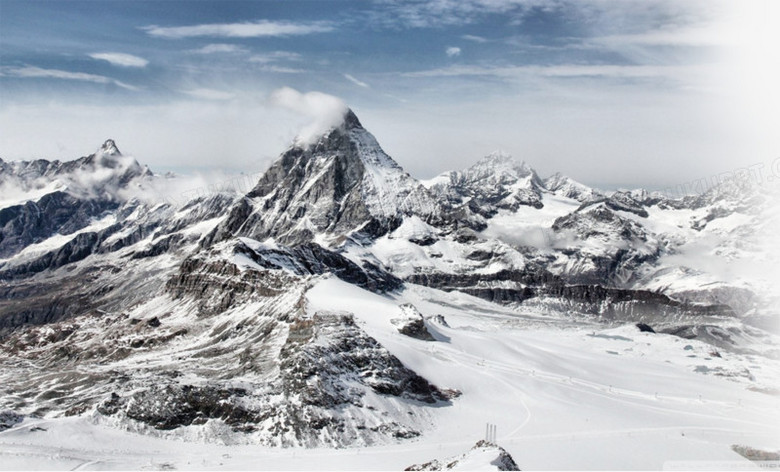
(602, 390)
(87, 464)
(478, 366)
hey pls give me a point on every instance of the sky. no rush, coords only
(612, 93)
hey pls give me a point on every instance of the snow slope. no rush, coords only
(563, 396)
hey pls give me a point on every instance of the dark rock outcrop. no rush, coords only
(8, 419)
(412, 323)
(645, 328)
(56, 212)
(313, 259)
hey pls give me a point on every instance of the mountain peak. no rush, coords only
(500, 162)
(351, 120)
(109, 148)
(340, 183)
(327, 127)
(565, 186)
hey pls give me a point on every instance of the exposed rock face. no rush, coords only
(57, 212)
(711, 334)
(412, 324)
(218, 324)
(220, 285)
(172, 406)
(618, 201)
(287, 396)
(81, 246)
(536, 286)
(8, 419)
(628, 305)
(645, 328)
(315, 369)
(313, 259)
(754, 454)
(84, 272)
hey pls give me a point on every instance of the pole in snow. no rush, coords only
(490, 433)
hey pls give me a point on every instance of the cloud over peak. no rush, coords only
(325, 111)
(256, 29)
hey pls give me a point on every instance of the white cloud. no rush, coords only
(120, 59)
(452, 51)
(325, 110)
(39, 73)
(355, 81)
(219, 48)
(255, 29)
(209, 94)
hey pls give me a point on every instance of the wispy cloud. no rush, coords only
(39, 73)
(426, 14)
(120, 59)
(282, 70)
(452, 51)
(568, 70)
(209, 94)
(269, 62)
(475, 38)
(275, 56)
(255, 29)
(355, 81)
(220, 48)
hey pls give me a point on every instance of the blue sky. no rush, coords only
(612, 93)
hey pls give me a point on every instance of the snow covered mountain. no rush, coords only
(341, 302)
(342, 184)
(40, 198)
(567, 187)
(495, 182)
